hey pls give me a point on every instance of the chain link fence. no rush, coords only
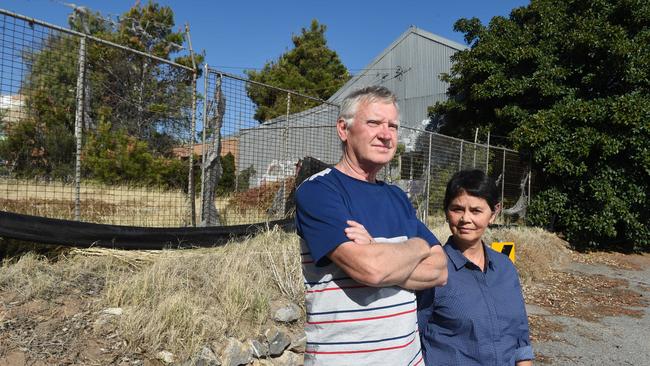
(264, 154)
(92, 130)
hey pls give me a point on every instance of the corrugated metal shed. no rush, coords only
(410, 67)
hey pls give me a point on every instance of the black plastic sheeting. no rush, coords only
(85, 235)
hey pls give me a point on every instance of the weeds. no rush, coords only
(180, 300)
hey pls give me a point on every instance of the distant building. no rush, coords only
(11, 110)
(411, 67)
(228, 145)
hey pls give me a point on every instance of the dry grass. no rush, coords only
(124, 204)
(176, 300)
(181, 299)
(34, 276)
(538, 251)
(115, 204)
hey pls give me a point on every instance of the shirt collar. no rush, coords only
(459, 260)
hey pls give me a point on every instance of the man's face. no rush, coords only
(371, 141)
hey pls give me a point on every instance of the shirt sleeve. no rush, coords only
(426, 234)
(524, 349)
(321, 216)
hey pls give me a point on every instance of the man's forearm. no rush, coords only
(430, 272)
(381, 264)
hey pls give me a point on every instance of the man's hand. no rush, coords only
(357, 233)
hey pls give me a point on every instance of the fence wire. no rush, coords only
(96, 132)
(91, 131)
(259, 156)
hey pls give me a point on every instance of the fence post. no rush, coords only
(78, 120)
(204, 153)
(530, 178)
(487, 155)
(285, 156)
(460, 157)
(503, 178)
(475, 142)
(190, 178)
(426, 206)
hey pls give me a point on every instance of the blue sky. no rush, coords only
(246, 34)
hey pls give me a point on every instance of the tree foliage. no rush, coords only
(146, 99)
(568, 81)
(309, 68)
(115, 157)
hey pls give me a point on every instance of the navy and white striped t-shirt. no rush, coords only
(349, 323)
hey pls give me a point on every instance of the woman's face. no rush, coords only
(468, 217)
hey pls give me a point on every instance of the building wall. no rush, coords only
(411, 67)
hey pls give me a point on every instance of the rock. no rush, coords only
(262, 363)
(113, 311)
(278, 341)
(165, 356)
(205, 357)
(235, 353)
(285, 313)
(298, 342)
(288, 359)
(259, 348)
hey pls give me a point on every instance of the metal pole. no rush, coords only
(206, 75)
(530, 178)
(426, 206)
(487, 155)
(190, 179)
(285, 156)
(78, 120)
(460, 157)
(503, 179)
(475, 141)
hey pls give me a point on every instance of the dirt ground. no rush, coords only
(596, 311)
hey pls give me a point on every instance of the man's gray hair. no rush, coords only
(369, 94)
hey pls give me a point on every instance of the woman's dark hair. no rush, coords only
(476, 183)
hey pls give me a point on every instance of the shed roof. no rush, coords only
(412, 30)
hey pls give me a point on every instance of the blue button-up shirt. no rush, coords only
(478, 318)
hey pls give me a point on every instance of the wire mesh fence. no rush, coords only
(255, 185)
(259, 151)
(91, 130)
(97, 132)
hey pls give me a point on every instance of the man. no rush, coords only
(363, 249)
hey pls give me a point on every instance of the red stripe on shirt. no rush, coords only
(335, 288)
(362, 351)
(363, 319)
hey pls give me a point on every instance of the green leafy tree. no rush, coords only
(568, 81)
(113, 156)
(309, 68)
(227, 181)
(149, 100)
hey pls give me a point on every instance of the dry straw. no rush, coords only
(179, 300)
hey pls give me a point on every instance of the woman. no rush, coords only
(479, 317)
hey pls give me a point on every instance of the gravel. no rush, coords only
(613, 340)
